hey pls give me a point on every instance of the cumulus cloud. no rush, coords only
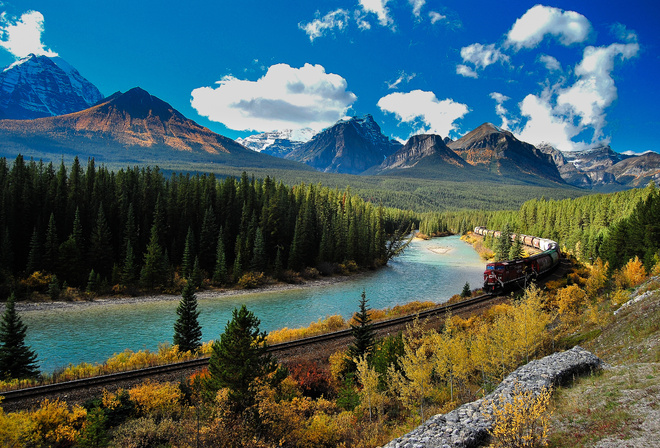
(378, 7)
(595, 89)
(321, 25)
(500, 110)
(466, 71)
(23, 36)
(285, 97)
(551, 63)
(403, 78)
(529, 30)
(560, 114)
(482, 55)
(436, 17)
(424, 111)
(417, 7)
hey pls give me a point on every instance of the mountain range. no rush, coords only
(57, 112)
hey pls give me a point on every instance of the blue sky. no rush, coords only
(571, 73)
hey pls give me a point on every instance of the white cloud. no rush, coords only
(321, 25)
(545, 126)
(378, 7)
(436, 17)
(424, 111)
(621, 32)
(595, 89)
(417, 6)
(500, 110)
(403, 78)
(530, 29)
(551, 63)
(560, 114)
(466, 71)
(284, 98)
(22, 37)
(482, 55)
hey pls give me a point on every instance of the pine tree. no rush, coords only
(196, 276)
(128, 271)
(239, 357)
(258, 263)
(187, 331)
(34, 257)
(100, 245)
(516, 250)
(17, 360)
(363, 334)
(220, 272)
(154, 272)
(51, 245)
(188, 254)
(466, 290)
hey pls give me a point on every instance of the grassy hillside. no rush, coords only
(619, 406)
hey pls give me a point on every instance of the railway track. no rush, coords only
(63, 388)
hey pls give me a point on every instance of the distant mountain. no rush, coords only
(502, 154)
(422, 156)
(350, 146)
(637, 171)
(39, 86)
(277, 143)
(567, 170)
(130, 127)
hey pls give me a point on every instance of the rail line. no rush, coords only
(85, 383)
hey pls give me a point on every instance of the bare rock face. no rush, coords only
(419, 148)
(350, 146)
(501, 153)
(39, 86)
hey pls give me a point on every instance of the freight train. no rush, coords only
(502, 275)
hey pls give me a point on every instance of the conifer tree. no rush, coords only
(128, 270)
(220, 272)
(187, 331)
(100, 245)
(154, 271)
(363, 334)
(466, 290)
(17, 360)
(188, 254)
(34, 257)
(516, 250)
(239, 357)
(207, 240)
(51, 245)
(258, 263)
(196, 276)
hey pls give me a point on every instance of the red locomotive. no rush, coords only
(501, 275)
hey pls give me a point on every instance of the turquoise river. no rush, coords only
(428, 270)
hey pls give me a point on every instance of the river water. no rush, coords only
(428, 270)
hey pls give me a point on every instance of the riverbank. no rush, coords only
(27, 306)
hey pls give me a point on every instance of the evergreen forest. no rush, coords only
(138, 228)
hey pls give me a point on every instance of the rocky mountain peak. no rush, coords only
(39, 86)
(422, 147)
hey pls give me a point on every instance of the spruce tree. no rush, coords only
(51, 245)
(516, 250)
(17, 360)
(220, 272)
(239, 357)
(363, 333)
(188, 254)
(34, 257)
(187, 331)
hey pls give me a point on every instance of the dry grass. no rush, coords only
(619, 406)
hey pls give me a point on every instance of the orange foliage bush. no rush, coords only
(632, 274)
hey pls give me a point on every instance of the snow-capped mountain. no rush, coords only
(277, 143)
(39, 86)
(350, 146)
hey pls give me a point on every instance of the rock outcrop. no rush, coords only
(468, 426)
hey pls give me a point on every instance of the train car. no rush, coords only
(503, 275)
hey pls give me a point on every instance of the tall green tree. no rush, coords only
(363, 333)
(239, 357)
(17, 360)
(187, 331)
(51, 245)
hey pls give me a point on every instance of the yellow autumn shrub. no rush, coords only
(156, 398)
